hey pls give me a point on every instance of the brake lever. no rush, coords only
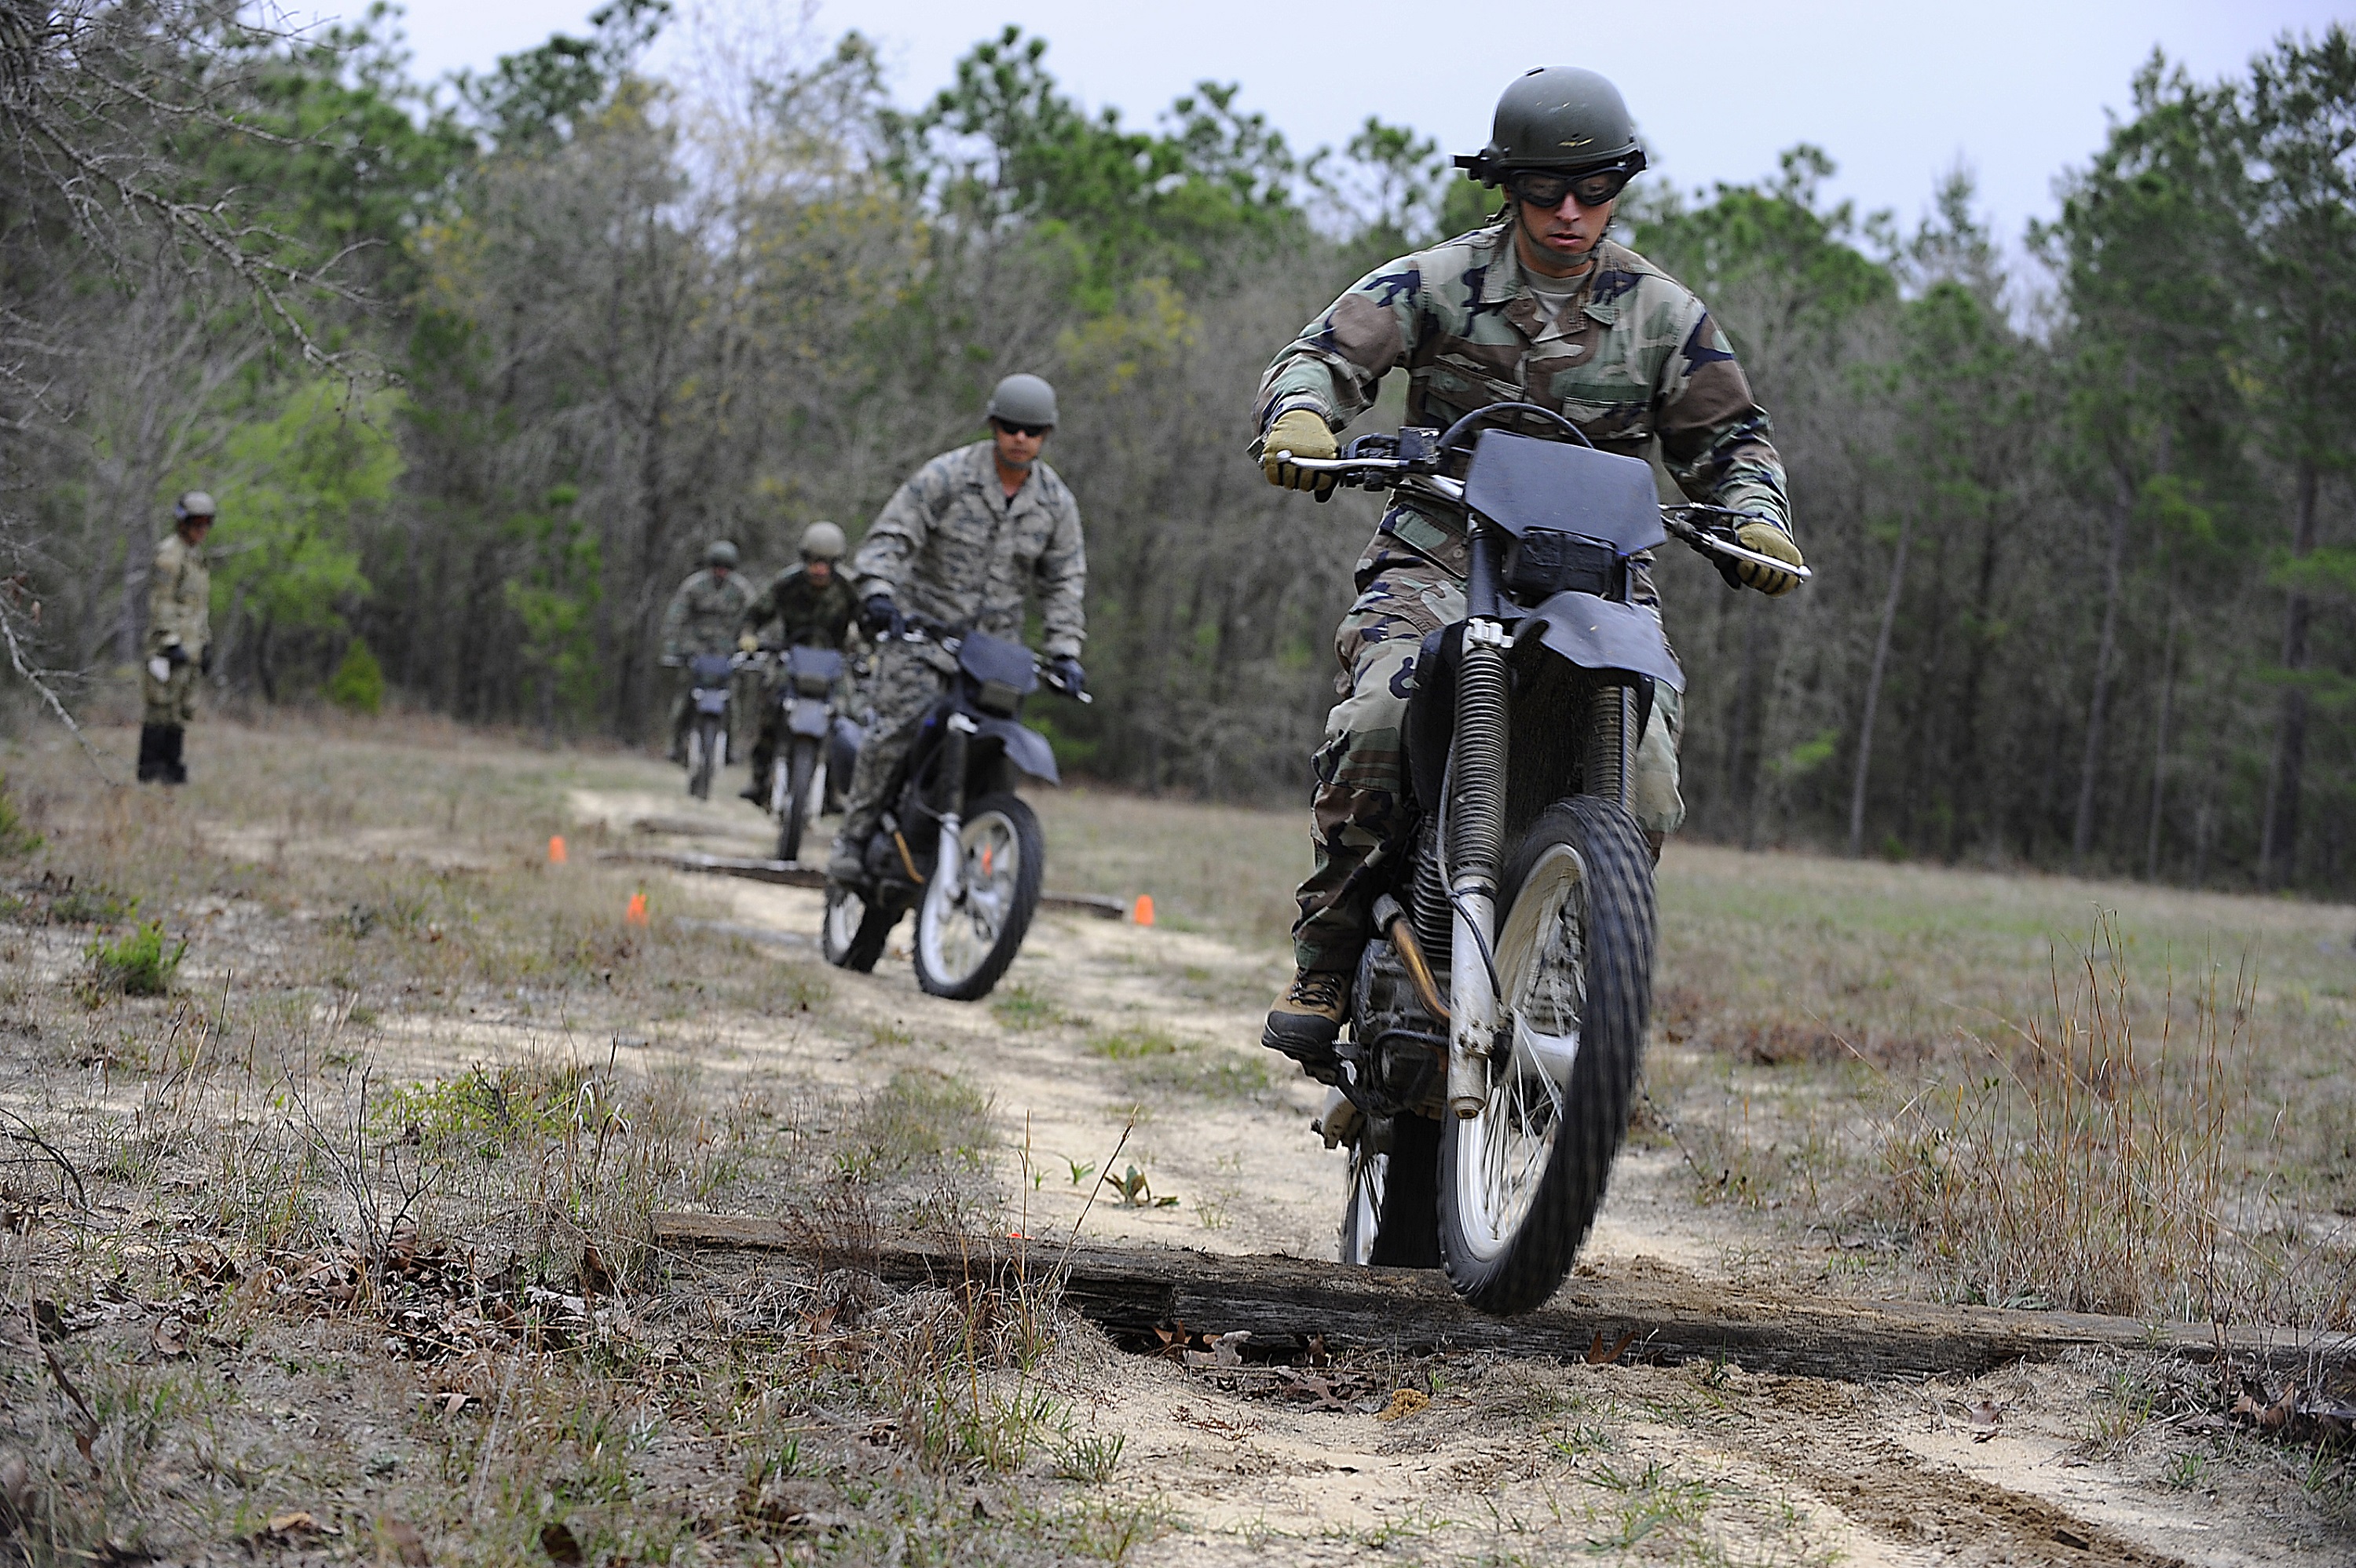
(1707, 542)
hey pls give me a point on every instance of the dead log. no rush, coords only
(1133, 1292)
(794, 874)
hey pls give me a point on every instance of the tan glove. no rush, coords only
(1303, 433)
(748, 644)
(1766, 538)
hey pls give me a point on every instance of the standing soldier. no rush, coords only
(1538, 307)
(179, 639)
(702, 619)
(811, 606)
(960, 543)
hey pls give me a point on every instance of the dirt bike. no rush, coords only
(1497, 1021)
(958, 844)
(813, 735)
(711, 677)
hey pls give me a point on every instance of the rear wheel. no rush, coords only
(802, 760)
(1390, 1216)
(704, 750)
(1520, 1182)
(852, 934)
(965, 942)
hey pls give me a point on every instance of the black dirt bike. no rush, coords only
(711, 677)
(813, 733)
(1497, 1021)
(957, 843)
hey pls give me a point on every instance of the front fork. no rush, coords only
(1475, 848)
(948, 861)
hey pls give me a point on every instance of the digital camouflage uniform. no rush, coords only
(1632, 357)
(179, 615)
(951, 547)
(702, 618)
(804, 614)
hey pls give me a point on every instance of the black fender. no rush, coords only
(806, 716)
(1026, 749)
(1599, 634)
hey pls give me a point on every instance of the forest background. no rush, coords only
(476, 375)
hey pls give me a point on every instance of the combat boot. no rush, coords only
(844, 863)
(1307, 1020)
(174, 772)
(151, 752)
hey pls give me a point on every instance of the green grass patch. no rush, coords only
(1154, 1062)
(493, 1111)
(139, 965)
(1023, 1010)
(921, 1117)
(17, 840)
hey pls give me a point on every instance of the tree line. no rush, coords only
(477, 372)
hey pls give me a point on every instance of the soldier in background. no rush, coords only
(702, 619)
(961, 543)
(179, 644)
(809, 605)
(1538, 307)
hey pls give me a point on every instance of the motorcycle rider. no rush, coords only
(179, 644)
(1538, 307)
(702, 619)
(961, 543)
(810, 607)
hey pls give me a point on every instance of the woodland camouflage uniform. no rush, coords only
(179, 615)
(952, 547)
(702, 618)
(1630, 356)
(805, 615)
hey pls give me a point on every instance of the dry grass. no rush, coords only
(302, 1294)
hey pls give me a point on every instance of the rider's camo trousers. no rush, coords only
(1361, 769)
(906, 685)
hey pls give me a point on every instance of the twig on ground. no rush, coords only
(32, 1135)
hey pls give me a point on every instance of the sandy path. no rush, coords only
(1794, 1471)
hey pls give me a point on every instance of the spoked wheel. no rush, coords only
(1390, 1216)
(1520, 1182)
(965, 942)
(704, 750)
(853, 935)
(794, 808)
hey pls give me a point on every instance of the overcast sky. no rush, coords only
(1896, 93)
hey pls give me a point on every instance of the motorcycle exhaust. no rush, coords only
(1392, 921)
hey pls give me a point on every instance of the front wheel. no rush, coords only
(796, 806)
(704, 751)
(852, 935)
(1521, 1180)
(1388, 1217)
(965, 942)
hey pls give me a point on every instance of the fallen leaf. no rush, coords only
(1598, 1355)
(1985, 1420)
(2277, 1417)
(1227, 1350)
(170, 1338)
(1404, 1402)
(1317, 1355)
(556, 1538)
(454, 1404)
(292, 1526)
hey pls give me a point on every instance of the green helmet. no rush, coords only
(1557, 117)
(823, 541)
(1022, 399)
(721, 553)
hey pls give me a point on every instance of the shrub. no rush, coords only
(357, 684)
(136, 966)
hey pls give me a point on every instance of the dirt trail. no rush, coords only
(1529, 1461)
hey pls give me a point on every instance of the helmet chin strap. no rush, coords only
(1522, 229)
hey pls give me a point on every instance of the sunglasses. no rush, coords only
(1593, 188)
(1040, 430)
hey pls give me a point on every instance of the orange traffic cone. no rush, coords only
(556, 849)
(1143, 912)
(637, 913)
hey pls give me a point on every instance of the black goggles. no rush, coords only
(1593, 188)
(1013, 429)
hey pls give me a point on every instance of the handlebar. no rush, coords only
(1408, 473)
(907, 627)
